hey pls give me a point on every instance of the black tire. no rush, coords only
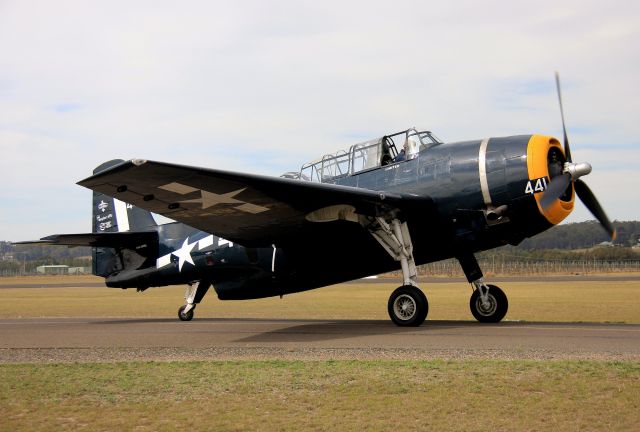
(408, 306)
(185, 316)
(498, 305)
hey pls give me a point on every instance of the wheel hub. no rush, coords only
(488, 307)
(404, 307)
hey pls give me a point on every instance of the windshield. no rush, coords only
(429, 139)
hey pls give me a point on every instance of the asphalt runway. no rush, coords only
(89, 339)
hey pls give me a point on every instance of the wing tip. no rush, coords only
(109, 167)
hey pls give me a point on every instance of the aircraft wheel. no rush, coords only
(408, 306)
(494, 310)
(185, 316)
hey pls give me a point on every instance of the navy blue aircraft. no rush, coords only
(391, 203)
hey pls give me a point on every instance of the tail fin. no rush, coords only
(113, 215)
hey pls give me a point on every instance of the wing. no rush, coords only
(249, 209)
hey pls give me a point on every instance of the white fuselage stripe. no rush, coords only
(122, 217)
(205, 242)
(273, 259)
(482, 167)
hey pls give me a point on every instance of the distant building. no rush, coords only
(53, 269)
(62, 270)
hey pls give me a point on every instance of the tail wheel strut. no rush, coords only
(193, 295)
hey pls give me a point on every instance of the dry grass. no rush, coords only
(17, 281)
(554, 301)
(329, 395)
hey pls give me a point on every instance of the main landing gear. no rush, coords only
(408, 305)
(193, 296)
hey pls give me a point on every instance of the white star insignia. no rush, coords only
(184, 253)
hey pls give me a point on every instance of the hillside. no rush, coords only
(583, 235)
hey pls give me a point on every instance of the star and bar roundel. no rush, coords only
(209, 199)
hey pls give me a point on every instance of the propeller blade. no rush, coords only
(555, 189)
(567, 151)
(590, 201)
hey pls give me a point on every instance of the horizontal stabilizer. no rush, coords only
(109, 239)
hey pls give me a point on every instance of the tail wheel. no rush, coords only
(408, 306)
(188, 316)
(491, 311)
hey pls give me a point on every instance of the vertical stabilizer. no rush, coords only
(113, 215)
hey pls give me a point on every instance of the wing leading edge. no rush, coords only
(245, 208)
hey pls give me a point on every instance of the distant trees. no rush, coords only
(511, 253)
(53, 253)
(5, 247)
(582, 235)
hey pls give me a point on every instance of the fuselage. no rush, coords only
(486, 193)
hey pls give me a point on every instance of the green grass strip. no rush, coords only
(321, 395)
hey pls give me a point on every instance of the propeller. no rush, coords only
(571, 172)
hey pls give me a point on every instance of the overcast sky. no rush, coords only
(264, 86)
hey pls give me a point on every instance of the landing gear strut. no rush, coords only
(407, 306)
(488, 303)
(193, 296)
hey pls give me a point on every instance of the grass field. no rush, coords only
(329, 395)
(528, 301)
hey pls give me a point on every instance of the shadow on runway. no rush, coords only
(333, 330)
(293, 330)
(262, 330)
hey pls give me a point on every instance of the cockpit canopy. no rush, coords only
(369, 155)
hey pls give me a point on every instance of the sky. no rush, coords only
(265, 86)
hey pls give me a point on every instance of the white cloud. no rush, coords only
(264, 86)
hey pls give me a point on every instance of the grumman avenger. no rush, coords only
(391, 203)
